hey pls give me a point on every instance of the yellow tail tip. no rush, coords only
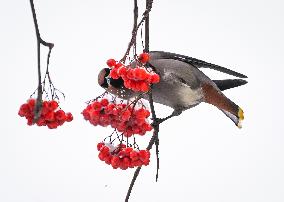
(241, 114)
(241, 117)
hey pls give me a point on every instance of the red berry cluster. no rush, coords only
(122, 157)
(50, 116)
(137, 78)
(124, 118)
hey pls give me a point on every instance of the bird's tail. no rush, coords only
(229, 108)
(237, 118)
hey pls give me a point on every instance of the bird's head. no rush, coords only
(114, 86)
(105, 81)
(103, 78)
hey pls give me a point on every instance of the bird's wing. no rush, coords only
(194, 61)
(229, 83)
(184, 75)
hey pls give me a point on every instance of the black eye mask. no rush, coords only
(117, 83)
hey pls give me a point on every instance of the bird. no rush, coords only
(183, 85)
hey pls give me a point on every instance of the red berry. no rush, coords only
(130, 74)
(41, 122)
(86, 114)
(113, 74)
(147, 113)
(52, 105)
(104, 102)
(104, 120)
(30, 121)
(146, 162)
(108, 159)
(121, 146)
(121, 71)
(125, 115)
(144, 57)
(24, 110)
(102, 156)
(136, 163)
(144, 87)
(105, 149)
(108, 109)
(50, 116)
(45, 109)
(60, 115)
(125, 163)
(121, 154)
(118, 65)
(147, 127)
(155, 78)
(128, 84)
(96, 105)
(128, 150)
(52, 125)
(144, 155)
(100, 145)
(60, 122)
(111, 62)
(31, 104)
(134, 155)
(115, 162)
(69, 117)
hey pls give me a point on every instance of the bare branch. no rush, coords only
(38, 106)
(137, 171)
(137, 26)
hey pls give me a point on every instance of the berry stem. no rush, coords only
(40, 41)
(134, 31)
(137, 26)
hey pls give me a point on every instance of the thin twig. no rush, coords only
(155, 125)
(154, 117)
(157, 141)
(137, 171)
(134, 31)
(137, 26)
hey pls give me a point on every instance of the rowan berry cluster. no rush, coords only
(51, 116)
(122, 117)
(136, 78)
(122, 157)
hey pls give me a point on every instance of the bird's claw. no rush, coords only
(160, 120)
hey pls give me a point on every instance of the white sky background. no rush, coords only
(204, 157)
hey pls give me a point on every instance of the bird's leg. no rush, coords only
(176, 112)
